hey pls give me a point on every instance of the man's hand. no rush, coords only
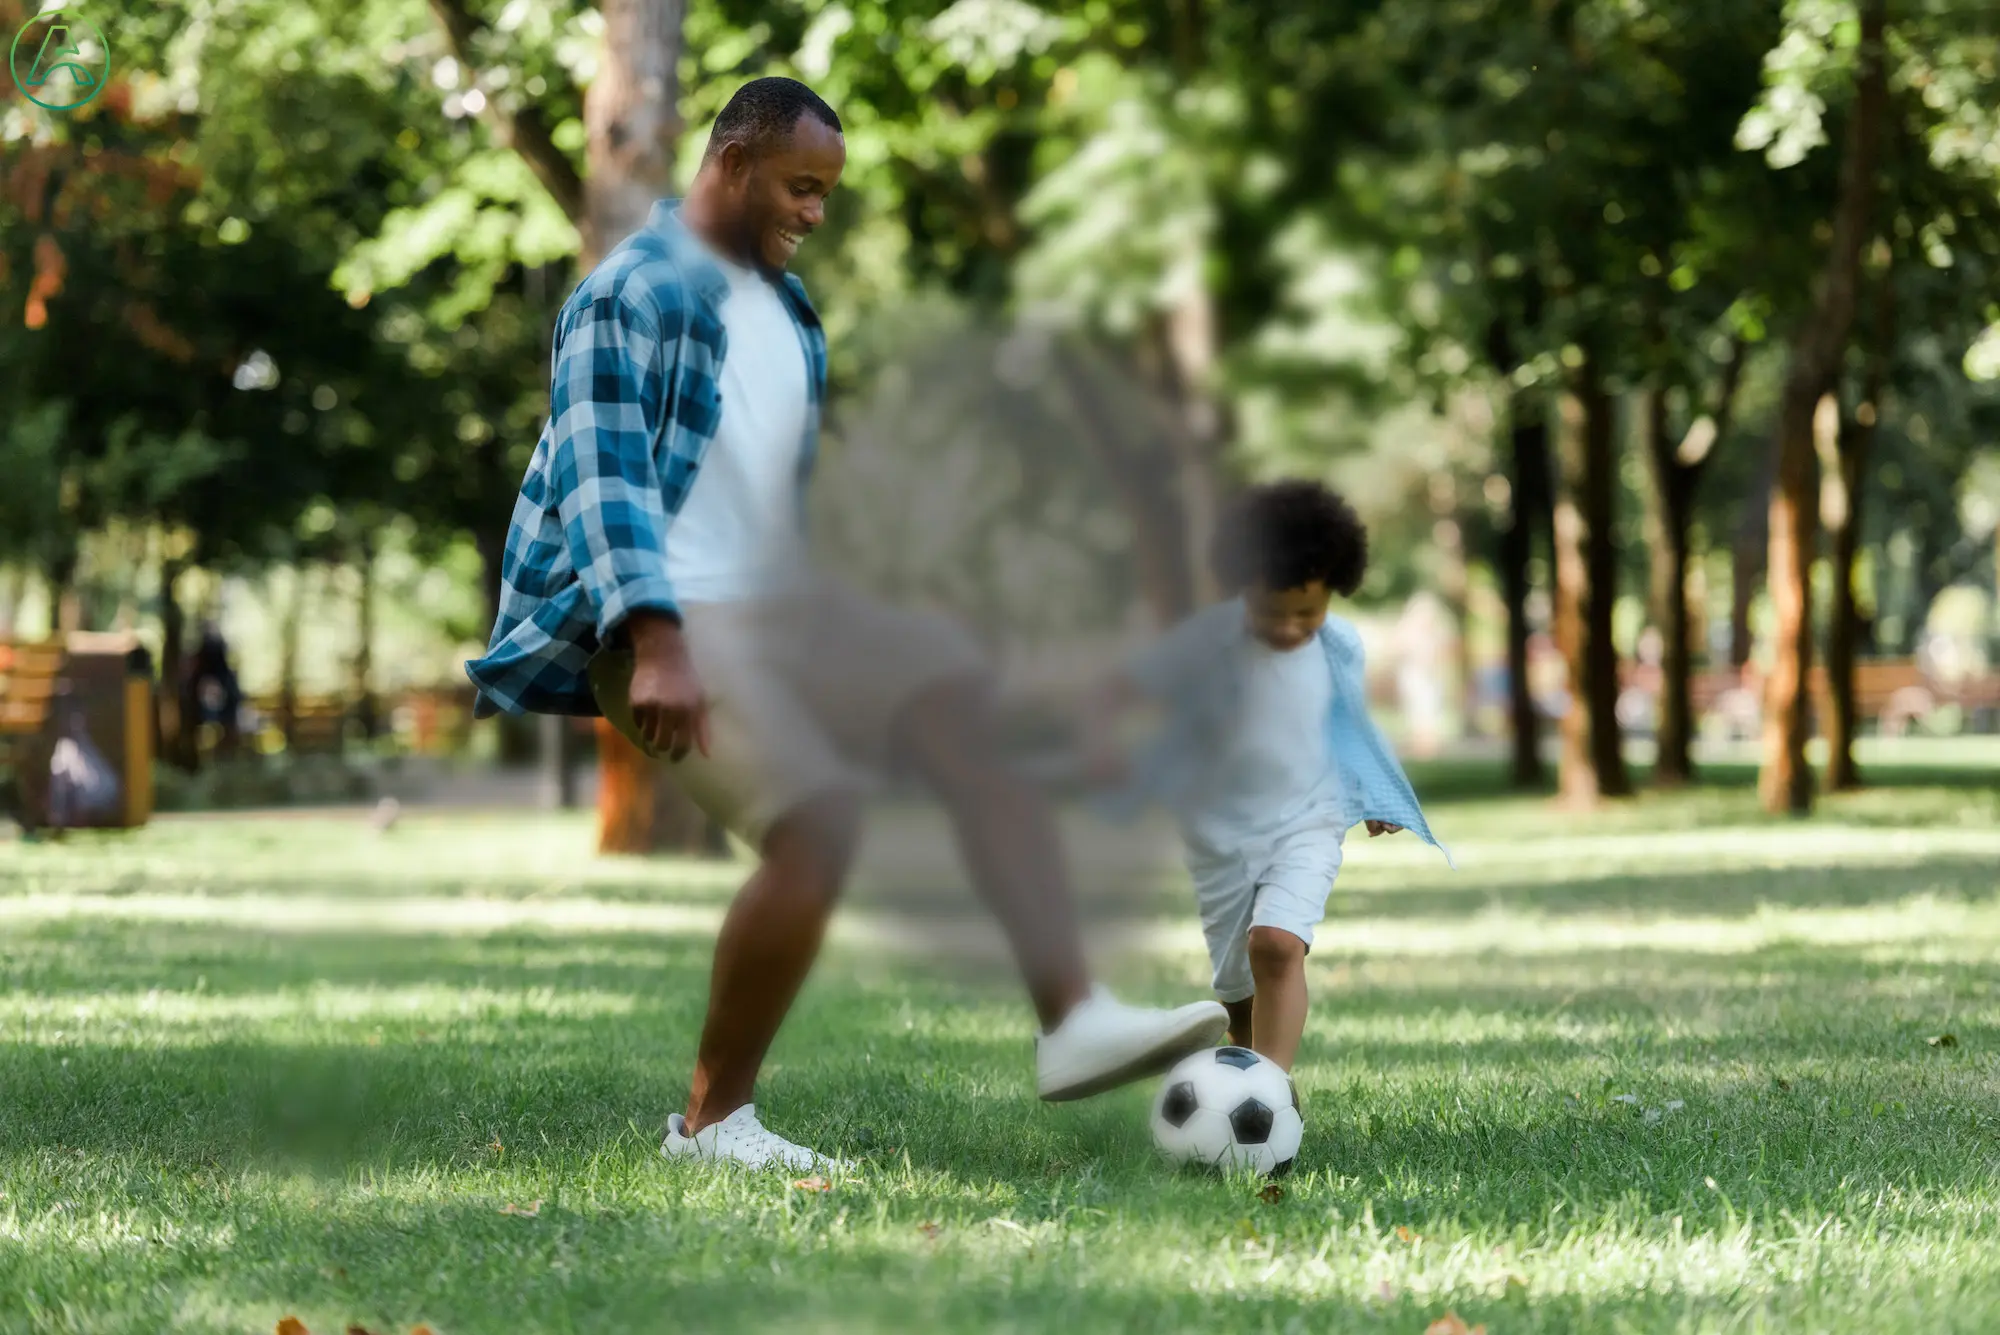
(668, 706)
(1381, 827)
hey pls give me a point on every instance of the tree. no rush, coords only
(1816, 344)
(1593, 763)
(1675, 465)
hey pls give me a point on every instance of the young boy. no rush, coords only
(1268, 756)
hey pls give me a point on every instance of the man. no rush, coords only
(656, 573)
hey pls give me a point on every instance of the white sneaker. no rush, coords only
(1105, 1043)
(741, 1138)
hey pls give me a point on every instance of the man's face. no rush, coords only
(780, 194)
(1285, 619)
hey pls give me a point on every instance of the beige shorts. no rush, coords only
(804, 695)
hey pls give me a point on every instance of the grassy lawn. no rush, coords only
(1666, 1069)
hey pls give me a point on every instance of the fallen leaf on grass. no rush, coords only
(813, 1183)
(528, 1211)
(1943, 1041)
(359, 1330)
(1403, 1232)
(291, 1325)
(422, 1330)
(1453, 1324)
(929, 1230)
(1271, 1194)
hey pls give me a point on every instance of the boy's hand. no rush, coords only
(668, 705)
(1381, 827)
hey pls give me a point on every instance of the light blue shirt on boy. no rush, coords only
(1224, 764)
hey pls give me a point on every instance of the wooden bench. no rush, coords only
(28, 675)
(314, 725)
(1889, 692)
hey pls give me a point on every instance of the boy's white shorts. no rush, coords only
(1281, 882)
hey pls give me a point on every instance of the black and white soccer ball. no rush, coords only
(1229, 1108)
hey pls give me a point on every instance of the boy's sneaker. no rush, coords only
(1105, 1043)
(741, 1138)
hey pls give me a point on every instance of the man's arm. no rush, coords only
(604, 405)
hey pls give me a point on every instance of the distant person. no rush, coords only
(656, 573)
(1421, 639)
(1268, 756)
(213, 689)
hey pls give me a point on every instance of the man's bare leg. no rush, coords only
(1007, 836)
(766, 948)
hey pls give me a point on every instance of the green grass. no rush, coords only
(1665, 1069)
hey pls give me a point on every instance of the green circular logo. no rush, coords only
(59, 60)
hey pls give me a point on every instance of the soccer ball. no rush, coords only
(1229, 1108)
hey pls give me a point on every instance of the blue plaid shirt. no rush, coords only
(634, 400)
(1373, 785)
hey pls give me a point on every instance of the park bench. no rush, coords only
(1890, 693)
(312, 725)
(28, 675)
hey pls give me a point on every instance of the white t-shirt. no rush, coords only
(737, 534)
(1270, 765)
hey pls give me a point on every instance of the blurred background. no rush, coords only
(1658, 342)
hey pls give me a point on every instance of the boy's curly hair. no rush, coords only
(1285, 535)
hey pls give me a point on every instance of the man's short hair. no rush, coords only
(764, 113)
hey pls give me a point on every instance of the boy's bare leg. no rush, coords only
(766, 948)
(1240, 1027)
(1278, 1011)
(1007, 837)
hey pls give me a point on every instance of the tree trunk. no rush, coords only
(1530, 513)
(1527, 512)
(366, 712)
(1593, 764)
(1188, 342)
(1455, 589)
(1599, 481)
(1675, 470)
(13, 586)
(1669, 500)
(557, 746)
(1853, 448)
(1748, 558)
(491, 544)
(177, 740)
(291, 619)
(1843, 635)
(631, 122)
(1785, 783)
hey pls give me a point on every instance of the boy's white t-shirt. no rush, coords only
(737, 534)
(1270, 767)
